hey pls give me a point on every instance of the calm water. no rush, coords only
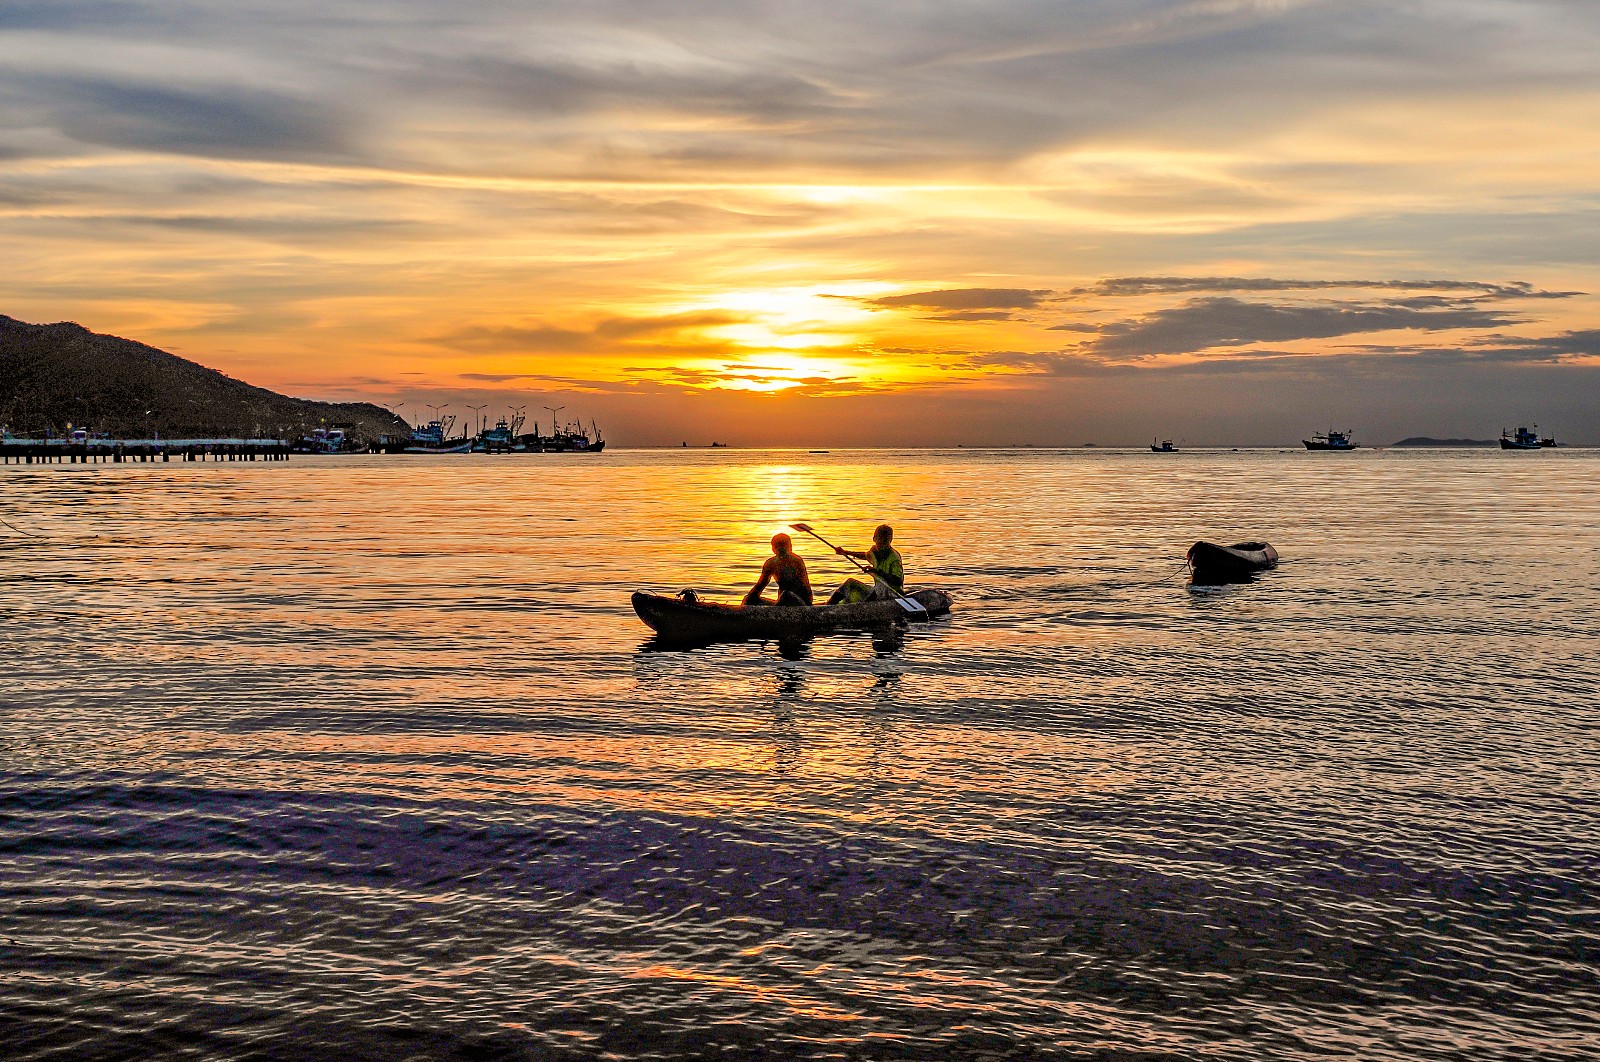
(369, 758)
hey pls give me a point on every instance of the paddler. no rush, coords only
(886, 565)
(794, 584)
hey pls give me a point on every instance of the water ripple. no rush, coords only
(370, 759)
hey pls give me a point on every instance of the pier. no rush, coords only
(68, 451)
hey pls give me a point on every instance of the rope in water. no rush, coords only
(19, 530)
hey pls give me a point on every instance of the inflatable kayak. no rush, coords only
(686, 619)
(1212, 563)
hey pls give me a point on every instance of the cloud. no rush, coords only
(965, 299)
(1204, 324)
(1564, 346)
(975, 315)
(331, 183)
(605, 335)
(1225, 322)
(1137, 286)
(222, 121)
(1030, 361)
(602, 86)
(84, 14)
(1377, 361)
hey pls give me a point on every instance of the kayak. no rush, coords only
(687, 619)
(1212, 563)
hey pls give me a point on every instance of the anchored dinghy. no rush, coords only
(1212, 563)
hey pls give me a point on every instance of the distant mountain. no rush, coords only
(53, 375)
(1423, 440)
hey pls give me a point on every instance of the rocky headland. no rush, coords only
(59, 374)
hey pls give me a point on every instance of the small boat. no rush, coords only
(1212, 563)
(1333, 440)
(326, 441)
(1166, 447)
(686, 619)
(1523, 439)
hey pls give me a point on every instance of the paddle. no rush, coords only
(910, 605)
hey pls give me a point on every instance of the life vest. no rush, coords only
(886, 562)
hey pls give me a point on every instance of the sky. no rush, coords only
(896, 223)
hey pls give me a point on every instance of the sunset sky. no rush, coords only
(814, 223)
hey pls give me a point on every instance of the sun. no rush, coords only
(790, 336)
(793, 318)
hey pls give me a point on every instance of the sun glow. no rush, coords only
(772, 372)
(788, 337)
(830, 310)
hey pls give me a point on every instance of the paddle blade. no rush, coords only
(800, 527)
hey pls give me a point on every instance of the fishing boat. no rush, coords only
(1166, 447)
(1211, 563)
(435, 439)
(1521, 439)
(1333, 440)
(684, 618)
(500, 439)
(572, 439)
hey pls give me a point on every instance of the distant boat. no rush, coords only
(1522, 439)
(1166, 447)
(1333, 440)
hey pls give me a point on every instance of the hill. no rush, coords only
(53, 375)
(1423, 440)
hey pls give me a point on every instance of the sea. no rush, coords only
(370, 758)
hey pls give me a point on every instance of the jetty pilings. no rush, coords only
(15, 451)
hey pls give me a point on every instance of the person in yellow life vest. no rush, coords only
(885, 562)
(794, 583)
